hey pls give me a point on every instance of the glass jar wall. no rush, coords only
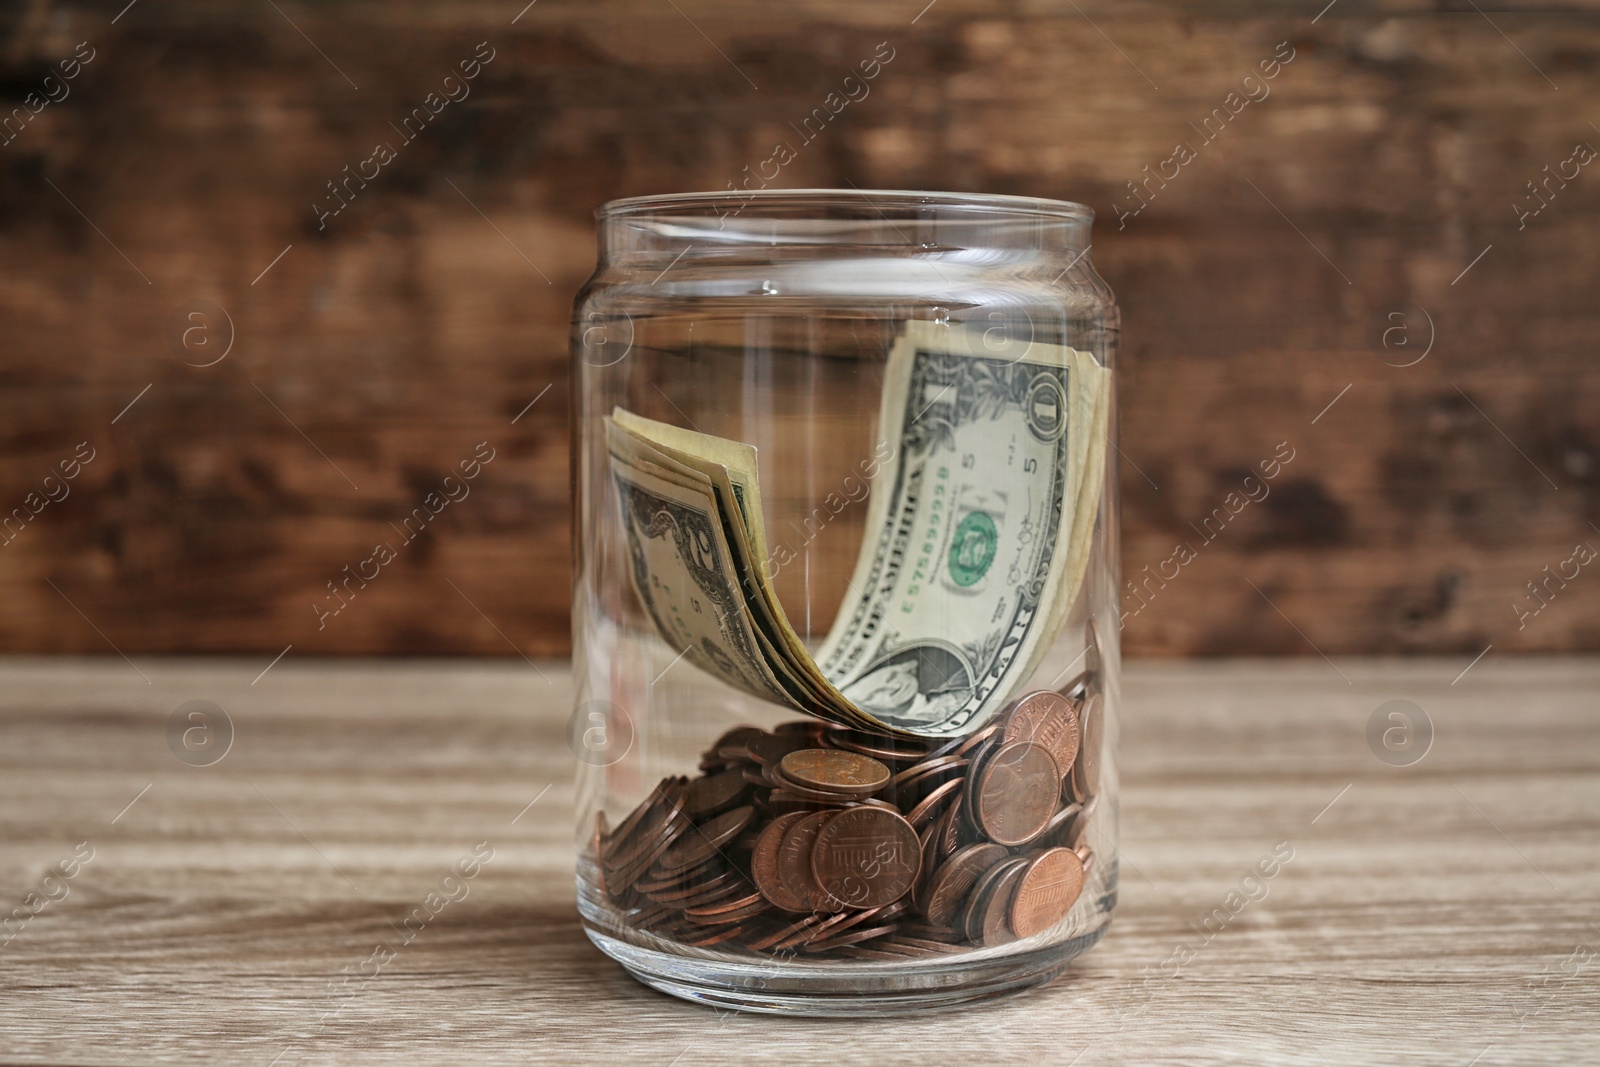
(845, 596)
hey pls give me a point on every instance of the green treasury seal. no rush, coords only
(972, 548)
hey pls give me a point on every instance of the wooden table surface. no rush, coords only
(1447, 912)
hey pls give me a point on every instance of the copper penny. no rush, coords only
(770, 748)
(829, 944)
(663, 827)
(736, 903)
(714, 794)
(955, 878)
(1048, 889)
(873, 916)
(702, 842)
(893, 749)
(650, 915)
(736, 753)
(736, 736)
(1017, 792)
(867, 917)
(930, 932)
(978, 759)
(827, 927)
(656, 880)
(834, 771)
(929, 860)
(866, 857)
(952, 746)
(1077, 831)
(781, 933)
(914, 771)
(1086, 771)
(690, 889)
(951, 828)
(794, 858)
(597, 843)
(803, 726)
(970, 919)
(874, 952)
(715, 935)
(824, 928)
(764, 863)
(782, 802)
(929, 809)
(674, 928)
(814, 797)
(996, 926)
(738, 918)
(1046, 718)
(973, 741)
(915, 947)
(710, 898)
(919, 778)
(618, 839)
(872, 802)
(1059, 825)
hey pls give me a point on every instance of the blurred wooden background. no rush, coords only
(1277, 274)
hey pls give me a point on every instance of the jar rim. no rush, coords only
(998, 204)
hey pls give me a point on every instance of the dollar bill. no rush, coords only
(974, 561)
(978, 533)
(682, 569)
(736, 460)
(698, 459)
(756, 651)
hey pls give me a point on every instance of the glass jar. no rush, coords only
(845, 624)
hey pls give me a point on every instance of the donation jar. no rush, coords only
(845, 614)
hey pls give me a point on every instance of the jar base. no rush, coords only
(842, 990)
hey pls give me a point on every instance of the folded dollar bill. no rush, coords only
(978, 533)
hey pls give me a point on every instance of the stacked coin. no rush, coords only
(828, 840)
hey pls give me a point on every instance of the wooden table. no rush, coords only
(1447, 912)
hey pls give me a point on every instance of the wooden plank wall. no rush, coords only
(1372, 197)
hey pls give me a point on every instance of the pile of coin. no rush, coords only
(836, 841)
